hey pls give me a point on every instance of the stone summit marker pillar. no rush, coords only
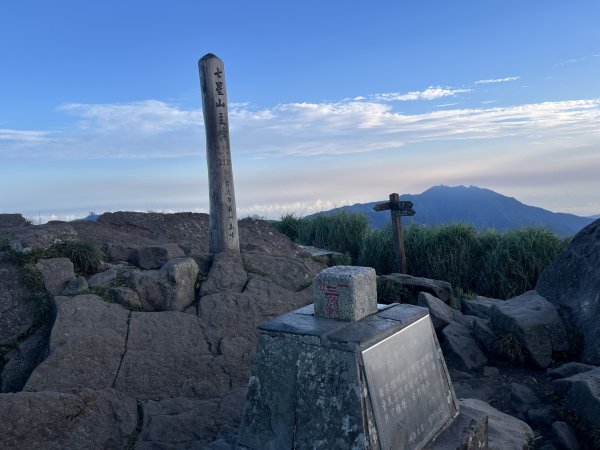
(347, 373)
(223, 227)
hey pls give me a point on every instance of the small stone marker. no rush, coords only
(223, 226)
(345, 293)
(398, 209)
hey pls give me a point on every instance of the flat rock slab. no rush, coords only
(572, 283)
(569, 369)
(188, 423)
(468, 431)
(155, 256)
(535, 322)
(52, 420)
(401, 288)
(167, 356)
(16, 312)
(87, 343)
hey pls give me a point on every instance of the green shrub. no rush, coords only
(86, 257)
(342, 232)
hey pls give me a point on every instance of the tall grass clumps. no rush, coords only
(289, 225)
(85, 256)
(341, 232)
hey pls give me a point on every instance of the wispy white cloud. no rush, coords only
(497, 80)
(570, 61)
(431, 93)
(155, 129)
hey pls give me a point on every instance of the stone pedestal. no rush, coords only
(320, 383)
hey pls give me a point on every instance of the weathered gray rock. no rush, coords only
(504, 431)
(569, 369)
(52, 420)
(564, 436)
(171, 288)
(293, 274)
(459, 346)
(572, 283)
(23, 359)
(522, 399)
(441, 314)
(189, 423)
(227, 274)
(468, 431)
(490, 372)
(583, 397)
(16, 312)
(229, 321)
(155, 256)
(481, 331)
(126, 297)
(56, 273)
(86, 345)
(401, 288)
(167, 356)
(534, 322)
(562, 385)
(75, 286)
(542, 416)
(479, 306)
(12, 220)
(118, 252)
(105, 279)
(467, 385)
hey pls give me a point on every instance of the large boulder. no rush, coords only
(572, 283)
(441, 314)
(568, 370)
(87, 343)
(16, 312)
(504, 431)
(583, 397)
(534, 321)
(155, 256)
(401, 288)
(293, 274)
(82, 419)
(56, 272)
(459, 346)
(24, 359)
(170, 288)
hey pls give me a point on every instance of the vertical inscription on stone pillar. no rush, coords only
(223, 227)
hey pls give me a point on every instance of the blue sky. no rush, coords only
(331, 103)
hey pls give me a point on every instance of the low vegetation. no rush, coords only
(488, 262)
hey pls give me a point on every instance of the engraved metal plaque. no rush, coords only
(409, 387)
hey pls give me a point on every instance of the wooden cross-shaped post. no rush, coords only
(398, 209)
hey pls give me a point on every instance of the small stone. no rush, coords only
(583, 398)
(441, 314)
(564, 436)
(345, 293)
(490, 371)
(75, 286)
(103, 280)
(479, 307)
(155, 256)
(460, 346)
(542, 416)
(126, 297)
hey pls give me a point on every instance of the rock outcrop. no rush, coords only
(572, 284)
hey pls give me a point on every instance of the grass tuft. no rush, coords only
(86, 257)
(511, 347)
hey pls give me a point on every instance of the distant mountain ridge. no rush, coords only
(483, 208)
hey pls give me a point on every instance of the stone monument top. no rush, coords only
(346, 293)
